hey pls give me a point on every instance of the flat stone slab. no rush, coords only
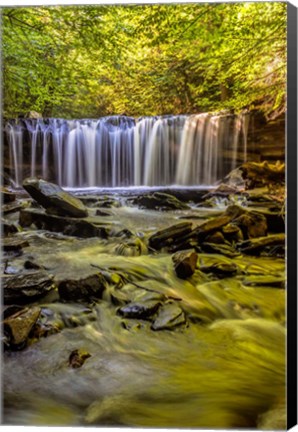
(82, 289)
(168, 317)
(84, 228)
(25, 288)
(54, 199)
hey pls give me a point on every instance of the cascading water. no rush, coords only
(120, 151)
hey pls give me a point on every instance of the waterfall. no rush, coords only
(120, 151)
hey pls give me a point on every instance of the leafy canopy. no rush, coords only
(90, 61)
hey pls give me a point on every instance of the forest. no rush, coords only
(93, 61)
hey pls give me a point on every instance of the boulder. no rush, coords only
(159, 201)
(54, 199)
(256, 246)
(12, 207)
(169, 236)
(8, 227)
(139, 310)
(185, 263)
(18, 326)
(77, 358)
(217, 237)
(26, 287)
(252, 224)
(168, 317)
(8, 196)
(82, 289)
(221, 269)
(226, 250)
(14, 244)
(259, 174)
(132, 248)
(84, 228)
(232, 233)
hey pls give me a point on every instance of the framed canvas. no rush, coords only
(149, 215)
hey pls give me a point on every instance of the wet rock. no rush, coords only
(159, 201)
(234, 211)
(54, 199)
(168, 317)
(18, 326)
(222, 190)
(252, 225)
(265, 280)
(27, 287)
(212, 225)
(185, 263)
(221, 269)
(69, 226)
(226, 250)
(31, 265)
(12, 207)
(123, 233)
(102, 213)
(133, 248)
(256, 246)
(259, 174)
(169, 236)
(14, 244)
(8, 196)
(275, 220)
(232, 233)
(77, 358)
(217, 238)
(8, 227)
(139, 310)
(82, 289)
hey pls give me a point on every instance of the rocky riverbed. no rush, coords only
(148, 308)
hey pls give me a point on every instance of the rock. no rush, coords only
(133, 248)
(139, 310)
(256, 246)
(168, 317)
(259, 174)
(226, 250)
(252, 225)
(159, 201)
(232, 233)
(8, 196)
(222, 190)
(77, 358)
(234, 211)
(54, 199)
(275, 220)
(169, 236)
(185, 263)
(31, 265)
(221, 269)
(18, 326)
(82, 289)
(216, 237)
(27, 287)
(102, 213)
(84, 228)
(8, 227)
(265, 280)
(12, 207)
(14, 244)
(212, 225)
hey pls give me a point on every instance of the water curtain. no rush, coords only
(120, 151)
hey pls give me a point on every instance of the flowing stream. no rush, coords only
(122, 151)
(223, 369)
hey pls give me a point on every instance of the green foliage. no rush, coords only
(89, 61)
